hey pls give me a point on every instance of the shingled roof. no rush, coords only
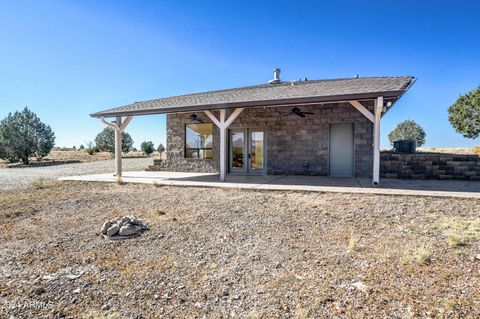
(283, 93)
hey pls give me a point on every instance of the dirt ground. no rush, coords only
(217, 253)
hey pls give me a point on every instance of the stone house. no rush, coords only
(308, 127)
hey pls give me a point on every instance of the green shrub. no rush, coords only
(464, 115)
(160, 148)
(105, 141)
(147, 147)
(408, 130)
(23, 135)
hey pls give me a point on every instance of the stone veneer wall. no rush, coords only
(430, 166)
(295, 145)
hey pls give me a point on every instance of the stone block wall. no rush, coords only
(176, 161)
(294, 145)
(430, 166)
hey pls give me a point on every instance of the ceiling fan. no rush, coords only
(297, 111)
(194, 117)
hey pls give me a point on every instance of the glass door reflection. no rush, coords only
(238, 155)
(257, 153)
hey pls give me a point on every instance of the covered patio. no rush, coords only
(306, 127)
(463, 189)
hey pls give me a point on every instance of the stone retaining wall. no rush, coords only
(430, 166)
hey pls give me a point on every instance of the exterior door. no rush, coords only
(247, 151)
(238, 151)
(341, 149)
(256, 154)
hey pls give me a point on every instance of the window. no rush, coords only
(199, 140)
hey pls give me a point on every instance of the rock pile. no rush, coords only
(123, 227)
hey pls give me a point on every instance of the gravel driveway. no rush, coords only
(18, 177)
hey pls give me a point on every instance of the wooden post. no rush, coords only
(223, 125)
(119, 127)
(378, 108)
(223, 145)
(118, 147)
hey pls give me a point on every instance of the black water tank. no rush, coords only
(405, 146)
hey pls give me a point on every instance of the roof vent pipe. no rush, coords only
(276, 76)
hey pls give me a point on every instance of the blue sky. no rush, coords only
(66, 59)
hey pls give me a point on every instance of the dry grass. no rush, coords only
(450, 150)
(63, 157)
(39, 183)
(157, 184)
(58, 157)
(462, 231)
(353, 246)
(423, 256)
(41, 194)
(79, 155)
(447, 150)
(119, 180)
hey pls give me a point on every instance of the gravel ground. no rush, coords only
(217, 253)
(19, 177)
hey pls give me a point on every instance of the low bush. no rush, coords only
(92, 150)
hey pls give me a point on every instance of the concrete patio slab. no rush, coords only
(465, 189)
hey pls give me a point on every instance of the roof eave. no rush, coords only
(275, 102)
(410, 84)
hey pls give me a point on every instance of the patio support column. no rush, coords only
(119, 126)
(378, 107)
(118, 147)
(223, 145)
(223, 125)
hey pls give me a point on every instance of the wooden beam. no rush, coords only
(125, 123)
(108, 123)
(362, 109)
(223, 125)
(378, 108)
(212, 118)
(233, 116)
